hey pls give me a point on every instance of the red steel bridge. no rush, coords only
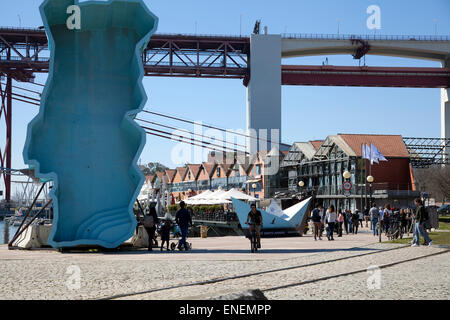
(24, 52)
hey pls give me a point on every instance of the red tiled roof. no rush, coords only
(317, 143)
(171, 174)
(150, 177)
(226, 167)
(182, 172)
(389, 145)
(195, 169)
(209, 167)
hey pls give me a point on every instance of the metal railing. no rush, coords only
(192, 65)
(213, 216)
(201, 35)
(44, 59)
(365, 37)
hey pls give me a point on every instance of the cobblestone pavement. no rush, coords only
(44, 275)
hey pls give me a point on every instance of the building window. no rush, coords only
(218, 172)
(258, 169)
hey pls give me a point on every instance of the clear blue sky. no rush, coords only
(308, 112)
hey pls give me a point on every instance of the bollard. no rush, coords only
(203, 231)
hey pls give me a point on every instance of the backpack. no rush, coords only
(149, 222)
(316, 215)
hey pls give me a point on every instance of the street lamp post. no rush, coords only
(301, 184)
(254, 189)
(347, 175)
(370, 180)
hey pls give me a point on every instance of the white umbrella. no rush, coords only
(233, 193)
(203, 195)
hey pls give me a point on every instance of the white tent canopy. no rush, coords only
(233, 193)
(219, 197)
(203, 195)
(207, 197)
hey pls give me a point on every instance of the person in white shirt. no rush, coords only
(330, 218)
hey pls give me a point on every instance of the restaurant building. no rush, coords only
(320, 168)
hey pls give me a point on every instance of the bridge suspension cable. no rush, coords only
(170, 136)
(212, 127)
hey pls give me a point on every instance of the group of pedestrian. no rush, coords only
(150, 220)
(333, 221)
(381, 218)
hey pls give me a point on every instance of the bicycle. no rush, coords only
(253, 238)
(395, 228)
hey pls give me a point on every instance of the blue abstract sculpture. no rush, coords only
(84, 138)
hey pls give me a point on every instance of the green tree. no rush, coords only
(152, 168)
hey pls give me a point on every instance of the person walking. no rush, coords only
(322, 220)
(374, 215)
(340, 220)
(165, 232)
(317, 224)
(380, 218)
(409, 219)
(184, 220)
(355, 221)
(348, 214)
(360, 217)
(387, 214)
(403, 222)
(331, 220)
(366, 216)
(419, 229)
(344, 215)
(150, 222)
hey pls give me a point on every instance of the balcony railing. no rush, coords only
(213, 216)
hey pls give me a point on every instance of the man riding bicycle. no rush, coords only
(254, 218)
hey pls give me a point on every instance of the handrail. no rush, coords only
(365, 37)
(286, 35)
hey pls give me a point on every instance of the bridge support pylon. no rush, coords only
(445, 111)
(264, 93)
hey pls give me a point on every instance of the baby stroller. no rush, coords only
(177, 235)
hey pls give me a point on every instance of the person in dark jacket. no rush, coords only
(151, 230)
(355, 221)
(344, 214)
(316, 219)
(403, 220)
(165, 233)
(348, 214)
(421, 217)
(184, 220)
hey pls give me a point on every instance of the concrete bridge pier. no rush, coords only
(445, 109)
(264, 92)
